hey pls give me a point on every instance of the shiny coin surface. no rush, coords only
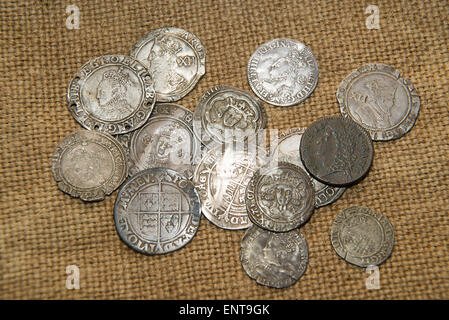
(221, 178)
(336, 151)
(166, 140)
(224, 114)
(362, 237)
(157, 211)
(274, 259)
(377, 98)
(89, 165)
(112, 94)
(288, 150)
(283, 72)
(280, 198)
(175, 58)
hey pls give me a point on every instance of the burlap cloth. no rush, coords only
(43, 230)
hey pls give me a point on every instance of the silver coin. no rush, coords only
(377, 98)
(280, 197)
(288, 150)
(112, 94)
(157, 211)
(221, 178)
(224, 114)
(362, 237)
(166, 140)
(89, 165)
(175, 58)
(274, 259)
(283, 72)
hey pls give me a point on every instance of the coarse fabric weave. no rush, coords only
(43, 230)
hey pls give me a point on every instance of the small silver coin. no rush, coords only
(166, 140)
(224, 114)
(362, 237)
(283, 72)
(378, 99)
(274, 259)
(287, 149)
(157, 211)
(175, 58)
(112, 94)
(221, 178)
(89, 165)
(280, 197)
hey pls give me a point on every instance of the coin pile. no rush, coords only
(178, 164)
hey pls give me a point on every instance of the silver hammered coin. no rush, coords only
(112, 94)
(274, 259)
(378, 99)
(175, 58)
(283, 72)
(157, 211)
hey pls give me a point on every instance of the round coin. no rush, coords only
(111, 93)
(166, 140)
(274, 259)
(89, 165)
(280, 198)
(287, 150)
(175, 58)
(283, 72)
(380, 101)
(362, 237)
(336, 151)
(224, 114)
(157, 211)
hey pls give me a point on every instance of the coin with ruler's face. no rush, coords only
(378, 99)
(112, 94)
(283, 72)
(224, 114)
(288, 150)
(175, 58)
(221, 178)
(362, 237)
(157, 211)
(336, 151)
(166, 140)
(274, 259)
(89, 165)
(280, 197)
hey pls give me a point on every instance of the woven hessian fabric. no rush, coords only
(43, 230)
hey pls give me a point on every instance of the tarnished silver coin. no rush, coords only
(288, 150)
(225, 114)
(221, 178)
(377, 98)
(175, 58)
(283, 72)
(112, 94)
(157, 211)
(280, 197)
(336, 151)
(274, 259)
(89, 165)
(362, 237)
(166, 140)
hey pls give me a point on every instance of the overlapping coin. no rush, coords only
(157, 211)
(336, 151)
(112, 94)
(274, 259)
(377, 98)
(283, 72)
(89, 165)
(175, 59)
(362, 237)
